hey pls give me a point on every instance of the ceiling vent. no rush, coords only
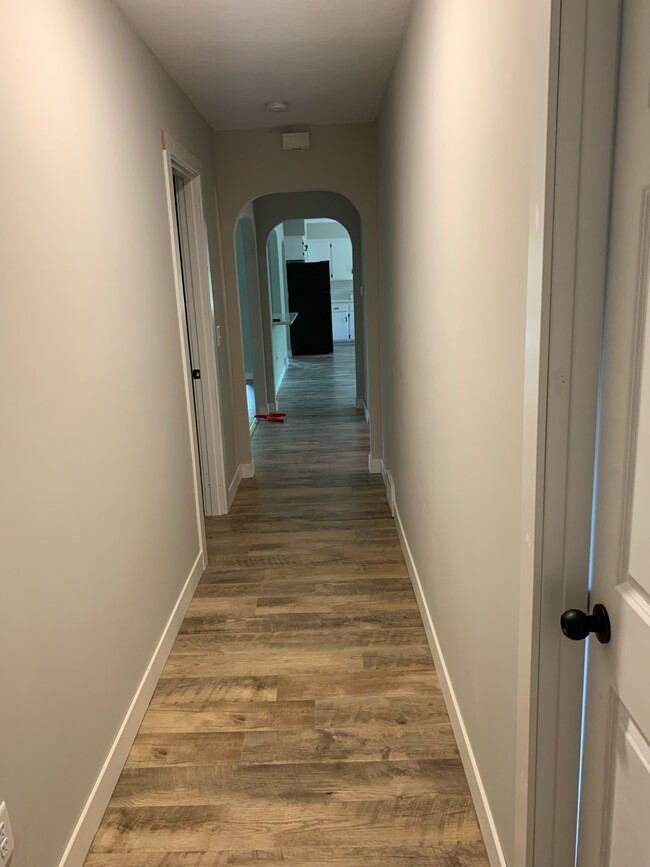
(296, 141)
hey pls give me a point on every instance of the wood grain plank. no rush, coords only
(232, 716)
(179, 749)
(461, 855)
(351, 744)
(367, 683)
(270, 822)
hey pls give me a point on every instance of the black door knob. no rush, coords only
(577, 625)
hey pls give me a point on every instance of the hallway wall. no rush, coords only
(342, 159)
(276, 270)
(455, 169)
(248, 278)
(99, 530)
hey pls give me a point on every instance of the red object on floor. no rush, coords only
(277, 417)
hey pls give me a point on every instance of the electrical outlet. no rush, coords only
(6, 837)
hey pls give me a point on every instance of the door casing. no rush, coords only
(209, 472)
(582, 99)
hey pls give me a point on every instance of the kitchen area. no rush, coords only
(324, 240)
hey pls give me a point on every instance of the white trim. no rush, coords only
(248, 470)
(253, 423)
(234, 485)
(563, 354)
(366, 411)
(389, 484)
(360, 403)
(282, 375)
(374, 465)
(479, 795)
(177, 160)
(94, 808)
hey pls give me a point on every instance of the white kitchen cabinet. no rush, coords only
(342, 322)
(340, 259)
(318, 251)
(338, 252)
(294, 248)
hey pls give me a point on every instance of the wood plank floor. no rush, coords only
(299, 720)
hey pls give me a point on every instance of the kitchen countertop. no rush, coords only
(292, 318)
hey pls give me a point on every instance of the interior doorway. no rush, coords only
(198, 331)
(277, 229)
(310, 271)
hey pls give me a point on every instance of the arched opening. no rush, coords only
(307, 227)
(309, 266)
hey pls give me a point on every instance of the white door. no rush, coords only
(614, 826)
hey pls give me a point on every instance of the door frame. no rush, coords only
(581, 124)
(209, 465)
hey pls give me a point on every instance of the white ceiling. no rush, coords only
(329, 59)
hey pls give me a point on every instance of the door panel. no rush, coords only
(630, 793)
(189, 303)
(615, 805)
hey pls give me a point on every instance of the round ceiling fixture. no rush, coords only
(277, 106)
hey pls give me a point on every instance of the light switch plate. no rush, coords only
(6, 836)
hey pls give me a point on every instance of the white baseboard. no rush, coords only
(390, 487)
(252, 424)
(366, 412)
(234, 485)
(284, 370)
(248, 470)
(93, 811)
(479, 796)
(273, 407)
(374, 465)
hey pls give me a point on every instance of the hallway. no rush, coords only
(299, 720)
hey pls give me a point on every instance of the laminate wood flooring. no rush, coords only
(299, 720)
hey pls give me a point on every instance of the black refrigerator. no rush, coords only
(310, 298)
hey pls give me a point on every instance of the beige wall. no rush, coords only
(256, 320)
(273, 266)
(454, 178)
(97, 509)
(342, 159)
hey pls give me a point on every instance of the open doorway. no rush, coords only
(281, 229)
(311, 300)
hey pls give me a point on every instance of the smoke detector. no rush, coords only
(276, 106)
